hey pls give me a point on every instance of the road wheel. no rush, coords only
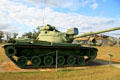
(81, 60)
(22, 61)
(36, 61)
(71, 60)
(48, 60)
(60, 61)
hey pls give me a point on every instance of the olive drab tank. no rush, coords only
(51, 48)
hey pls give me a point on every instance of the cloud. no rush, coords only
(13, 13)
(94, 6)
(53, 3)
(7, 27)
(70, 4)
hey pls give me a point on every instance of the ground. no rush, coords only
(104, 51)
(99, 69)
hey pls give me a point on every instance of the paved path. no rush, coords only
(116, 65)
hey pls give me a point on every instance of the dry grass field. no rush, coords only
(104, 51)
(2, 55)
(92, 73)
(95, 72)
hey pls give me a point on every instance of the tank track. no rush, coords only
(36, 56)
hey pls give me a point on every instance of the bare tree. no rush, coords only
(8, 35)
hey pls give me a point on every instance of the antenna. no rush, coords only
(44, 5)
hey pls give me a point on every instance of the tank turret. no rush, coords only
(50, 34)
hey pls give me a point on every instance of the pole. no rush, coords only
(56, 59)
(110, 62)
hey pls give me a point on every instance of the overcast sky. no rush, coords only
(87, 15)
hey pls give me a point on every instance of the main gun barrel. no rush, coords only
(98, 32)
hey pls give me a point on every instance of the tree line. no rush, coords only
(9, 35)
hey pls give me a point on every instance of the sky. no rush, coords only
(87, 15)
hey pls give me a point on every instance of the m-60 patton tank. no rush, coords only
(50, 48)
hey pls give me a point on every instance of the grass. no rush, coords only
(89, 73)
(104, 51)
(2, 55)
(92, 73)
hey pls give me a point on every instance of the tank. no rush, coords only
(51, 48)
(94, 39)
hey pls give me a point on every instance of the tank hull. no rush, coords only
(48, 55)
